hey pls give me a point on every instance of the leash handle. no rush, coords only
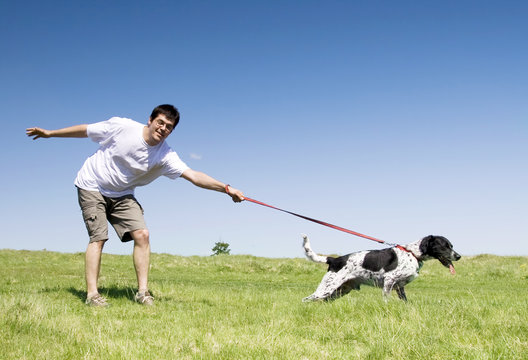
(317, 221)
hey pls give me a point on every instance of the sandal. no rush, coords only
(97, 300)
(144, 298)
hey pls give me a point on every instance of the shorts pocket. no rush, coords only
(95, 224)
(90, 217)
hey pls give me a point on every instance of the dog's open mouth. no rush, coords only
(452, 269)
(448, 264)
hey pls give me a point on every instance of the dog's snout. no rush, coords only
(456, 255)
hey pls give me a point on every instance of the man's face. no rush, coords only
(159, 129)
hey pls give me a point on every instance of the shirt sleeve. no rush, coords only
(173, 166)
(101, 131)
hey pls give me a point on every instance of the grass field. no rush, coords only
(244, 307)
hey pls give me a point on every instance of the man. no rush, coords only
(130, 155)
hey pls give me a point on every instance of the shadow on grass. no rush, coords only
(112, 292)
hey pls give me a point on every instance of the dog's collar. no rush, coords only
(409, 251)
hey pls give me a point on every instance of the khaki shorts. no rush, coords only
(124, 213)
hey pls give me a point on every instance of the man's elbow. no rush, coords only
(191, 176)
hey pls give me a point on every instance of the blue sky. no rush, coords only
(394, 119)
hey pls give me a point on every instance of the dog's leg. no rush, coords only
(401, 293)
(387, 288)
(347, 287)
(327, 288)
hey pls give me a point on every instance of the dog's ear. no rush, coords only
(426, 244)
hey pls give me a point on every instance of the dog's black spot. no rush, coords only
(336, 264)
(376, 260)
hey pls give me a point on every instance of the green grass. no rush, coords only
(244, 307)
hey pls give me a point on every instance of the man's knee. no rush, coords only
(141, 237)
(97, 245)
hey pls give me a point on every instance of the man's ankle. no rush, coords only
(91, 294)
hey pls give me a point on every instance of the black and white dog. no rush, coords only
(388, 268)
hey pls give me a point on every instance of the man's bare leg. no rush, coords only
(93, 266)
(141, 257)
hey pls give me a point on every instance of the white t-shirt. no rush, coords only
(124, 160)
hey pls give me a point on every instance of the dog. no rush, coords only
(390, 268)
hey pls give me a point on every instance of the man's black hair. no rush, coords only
(170, 112)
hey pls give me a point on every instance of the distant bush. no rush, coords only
(221, 248)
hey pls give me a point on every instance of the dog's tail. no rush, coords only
(310, 254)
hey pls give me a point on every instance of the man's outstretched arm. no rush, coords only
(205, 181)
(76, 131)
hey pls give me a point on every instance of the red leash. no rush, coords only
(327, 224)
(333, 226)
(320, 222)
